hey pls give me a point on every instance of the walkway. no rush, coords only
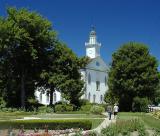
(104, 124)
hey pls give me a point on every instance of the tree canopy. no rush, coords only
(32, 56)
(134, 72)
(63, 74)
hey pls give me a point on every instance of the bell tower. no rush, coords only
(92, 47)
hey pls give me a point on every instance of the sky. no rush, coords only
(116, 22)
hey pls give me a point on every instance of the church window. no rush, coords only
(40, 97)
(89, 96)
(97, 63)
(54, 97)
(105, 80)
(47, 97)
(101, 98)
(89, 78)
(97, 85)
(94, 98)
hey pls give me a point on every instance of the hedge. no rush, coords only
(52, 124)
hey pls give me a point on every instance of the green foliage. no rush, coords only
(133, 73)
(2, 103)
(45, 109)
(86, 107)
(110, 98)
(124, 127)
(52, 124)
(63, 107)
(32, 56)
(59, 108)
(84, 102)
(66, 79)
(97, 109)
(25, 44)
(140, 104)
(69, 107)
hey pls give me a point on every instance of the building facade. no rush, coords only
(95, 75)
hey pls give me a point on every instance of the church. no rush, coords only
(95, 75)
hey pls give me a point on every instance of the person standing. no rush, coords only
(109, 110)
(115, 110)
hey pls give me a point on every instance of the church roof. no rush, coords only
(97, 64)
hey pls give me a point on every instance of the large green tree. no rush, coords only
(133, 73)
(26, 38)
(63, 74)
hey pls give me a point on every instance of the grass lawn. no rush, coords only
(96, 122)
(21, 115)
(96, 119)
(149, 121)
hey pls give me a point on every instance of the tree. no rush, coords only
(63, 74)
(133, 73)
(25, 42)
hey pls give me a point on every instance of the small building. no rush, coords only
(95, 75)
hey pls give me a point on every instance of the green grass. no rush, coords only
(95, 119)
(96, 122)
(14, 115)
(149, 121)
(21, 115)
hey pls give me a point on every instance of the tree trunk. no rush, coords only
(23, 90)
(51, 96)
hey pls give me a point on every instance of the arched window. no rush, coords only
(89, 78)
(97, 86)
(47, 97)
(40, 97)
(94, 98)
(89, 96)
(55, 97)
(105, 80)
(101, 98)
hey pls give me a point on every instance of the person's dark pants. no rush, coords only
(109, 115)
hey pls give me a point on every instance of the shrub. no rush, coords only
(84, 102)
(124, 127)
(63, 107)
(2, 103)
(97, 109)
(69, 107)
(59, 108)
(86, 107)
(45, 109)
(52, 124)
(140, 104)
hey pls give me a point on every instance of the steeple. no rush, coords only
(92, 47)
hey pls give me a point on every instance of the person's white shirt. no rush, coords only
(115, 108)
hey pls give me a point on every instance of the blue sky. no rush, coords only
(116, 22)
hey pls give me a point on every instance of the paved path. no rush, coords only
(104, 124)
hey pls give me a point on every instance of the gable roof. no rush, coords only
(97, 64)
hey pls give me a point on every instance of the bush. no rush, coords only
(45, 109)
(124, 127)
(97, 109)
(69, 108)
(140, 104)
(52, 124)
(84, 102)
(59, 108)
(63, 107)
(2, 103)
(86, 107)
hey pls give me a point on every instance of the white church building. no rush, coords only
(95, 75)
